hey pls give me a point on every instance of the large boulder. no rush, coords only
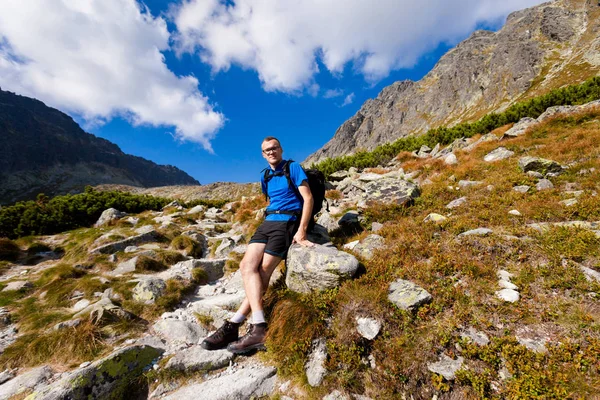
(149, 289)
(196, 358)
(110, 377)
(246, 383)
(541, 165)
(108, 216)
(389, 190)
(318, 268)
(407, 295)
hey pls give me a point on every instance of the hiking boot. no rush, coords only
(227, 333)
(254, 339)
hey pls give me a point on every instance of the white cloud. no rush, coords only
(331, 93)
(348, 100)
(99, 59)
(282, 40)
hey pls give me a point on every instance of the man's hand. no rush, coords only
(300, 238)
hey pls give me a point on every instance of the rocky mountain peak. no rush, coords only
(538, 49)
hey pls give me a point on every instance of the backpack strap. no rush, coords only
(291, 184)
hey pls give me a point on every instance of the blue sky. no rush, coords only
(198, 83)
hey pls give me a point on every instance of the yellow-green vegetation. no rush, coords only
(204, 320)
(37, 348)
(557, 301)
(147, 264)
(9, 251)
(233, 262)
(170, 257)
(188, 245)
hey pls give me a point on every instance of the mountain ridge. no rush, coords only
(45, 150)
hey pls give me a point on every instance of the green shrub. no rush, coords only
(63, 213)
(9, 251)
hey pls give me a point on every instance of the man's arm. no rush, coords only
(300, 236)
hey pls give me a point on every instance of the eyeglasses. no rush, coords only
(271, 149)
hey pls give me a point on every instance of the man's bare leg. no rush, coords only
(256, 278)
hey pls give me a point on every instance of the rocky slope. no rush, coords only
(44, 151)
(538, 49)
(470, 271)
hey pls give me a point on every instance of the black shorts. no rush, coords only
(277, 235)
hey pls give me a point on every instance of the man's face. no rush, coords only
(272, 152)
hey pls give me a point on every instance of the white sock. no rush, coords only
(258, 317)
(238, 318)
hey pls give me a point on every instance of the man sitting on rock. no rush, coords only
(286, 223)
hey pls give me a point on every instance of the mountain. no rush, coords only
(538, 49)
(45, 151)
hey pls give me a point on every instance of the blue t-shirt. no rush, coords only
(281, 195)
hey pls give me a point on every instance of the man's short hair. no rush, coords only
(269, 138)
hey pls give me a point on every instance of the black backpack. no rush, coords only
(316, 182)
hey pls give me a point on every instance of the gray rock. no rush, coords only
(8, 336)
(329, 222)
(446, 366)
(451, 159)
(519, 128)
(467, 184)
(508, 295)
(388, 190)
(368, 327)
(505, 284)
(149, 289)
(500, 153)
(177, 331)
(195, 358)
(67, 324)
(477, 232)
(315, 366)
(376, 227)
(541, 165)
(80, 305)
(366, 248)
(125, 267)
(109, 215)
(226, 246)
(196, 210)
(317, 268)
(131, 249)
(33, 379)
(522, 188)
(17, 285)
(149, 236)
(477, 337)
(104, 311)
(407, 295)
(544, 184)
(456, 203)
(336, 395)
(338, 176)
(590, 274)
(369, 177)
(6, 375)
(246, 383)
(535, 174)
(103, 378)
(537, 344)
(516, 213)
(214, 269)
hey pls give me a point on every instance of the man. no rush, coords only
(286, 223)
